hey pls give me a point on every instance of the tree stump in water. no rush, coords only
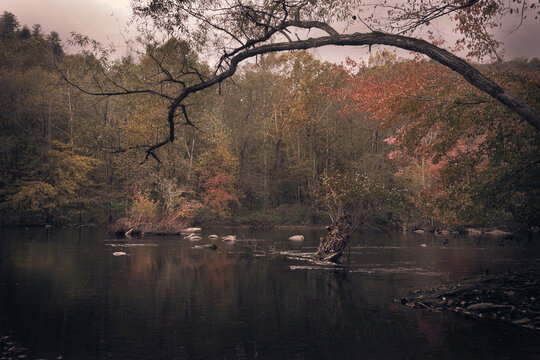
(332, 245)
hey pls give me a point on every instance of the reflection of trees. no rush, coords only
(340, 293)
(171, 300)
(219, 271)
(432, 330)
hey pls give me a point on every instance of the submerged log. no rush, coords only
(332, 245)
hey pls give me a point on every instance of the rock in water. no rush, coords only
(190, 230)
(119, 253)
(297, 238)
(229, 238)
(498, 233)
(213, 237)
(474, 232)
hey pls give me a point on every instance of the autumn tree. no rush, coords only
(238, 31)
(46, 176)
(231, 32)
(462, 156)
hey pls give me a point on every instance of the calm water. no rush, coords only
(63, 293)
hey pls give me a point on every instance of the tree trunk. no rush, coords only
(332, 245)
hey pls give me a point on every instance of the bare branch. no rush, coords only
(473, 76)
(110, 93)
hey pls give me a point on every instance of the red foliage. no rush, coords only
(219, 194)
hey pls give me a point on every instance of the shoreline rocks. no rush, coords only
(10, 349)
(512, 298)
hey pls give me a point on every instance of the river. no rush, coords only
(63, 294)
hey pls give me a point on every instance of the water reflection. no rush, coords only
(64, 293)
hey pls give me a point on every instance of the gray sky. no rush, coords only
(102, 20)
(105, 21)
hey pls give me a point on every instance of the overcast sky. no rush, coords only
(105, 21)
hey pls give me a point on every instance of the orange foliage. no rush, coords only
(219, 195)
(441, 123)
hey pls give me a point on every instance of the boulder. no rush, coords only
(229, 238)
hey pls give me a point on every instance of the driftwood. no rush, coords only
(332, 245)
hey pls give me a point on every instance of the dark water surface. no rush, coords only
(63, 293)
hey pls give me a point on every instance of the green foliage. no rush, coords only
(35, 196)
(64, 184)
(285, 214)
(8, 26)
(366, 201)
(143, 205)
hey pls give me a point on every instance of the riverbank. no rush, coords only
(512, 298)
(10, 349)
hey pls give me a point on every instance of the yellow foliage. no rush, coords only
(69, 171)
(35, 195)
(215, 161)
(62, 179)
(143, 205)
(189, 209)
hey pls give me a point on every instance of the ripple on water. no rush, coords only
(130, 245)
(379, 247)
(314, 267)
(399, 270)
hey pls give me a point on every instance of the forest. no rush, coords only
(287, 140)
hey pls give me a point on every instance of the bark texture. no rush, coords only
(336, 239)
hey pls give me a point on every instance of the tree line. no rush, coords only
(287, 140)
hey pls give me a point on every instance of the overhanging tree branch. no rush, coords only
(472, 75)
(252, 26)
(123, 90)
